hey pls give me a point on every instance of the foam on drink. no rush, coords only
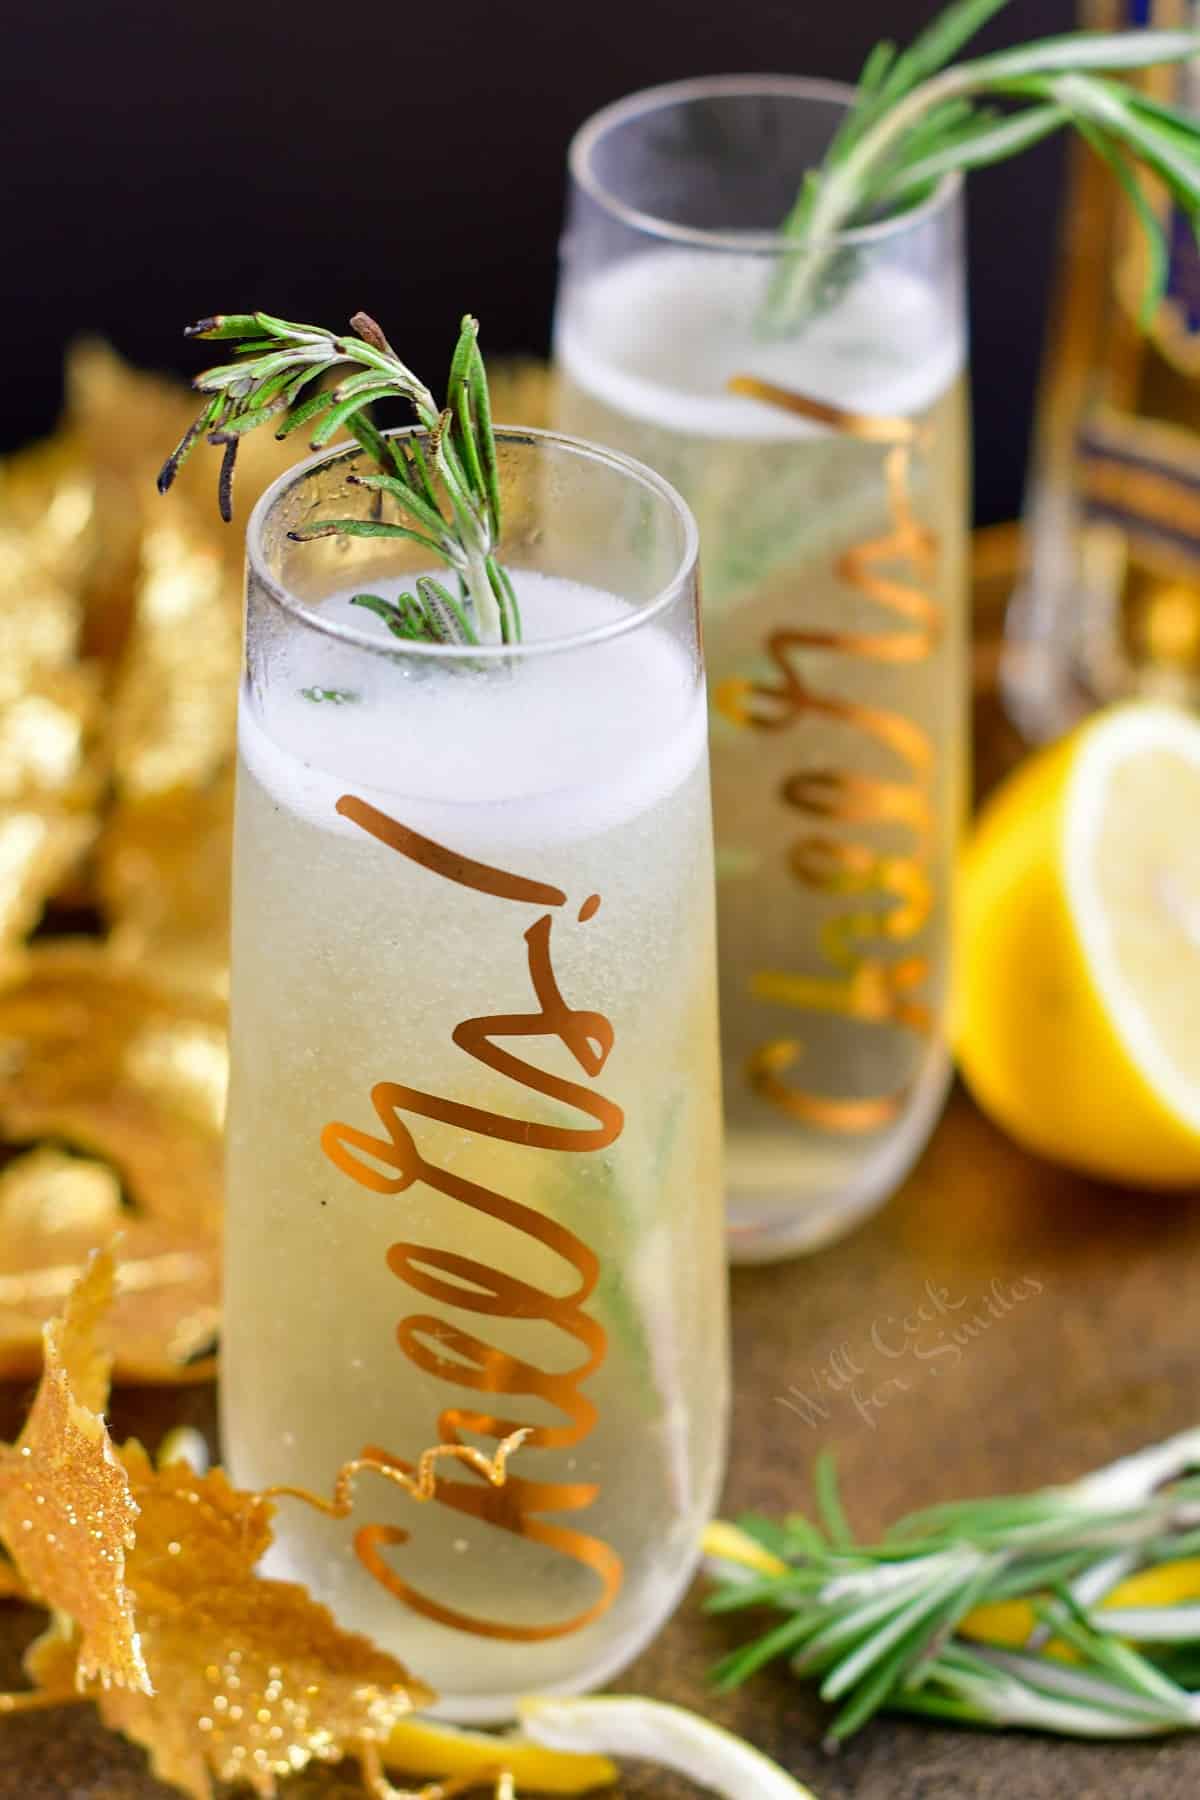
(533, 748)
(358, 970)
(658, 336)
(833, 568)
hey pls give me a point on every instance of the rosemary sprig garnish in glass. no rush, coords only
(902, 1624)
(443, 480)
(919, 117)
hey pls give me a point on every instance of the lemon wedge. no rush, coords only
(1078, 946)
(668, 1735)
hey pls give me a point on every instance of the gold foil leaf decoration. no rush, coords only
(40, 847)
(163, 860)
(44, 733)
(122, 417)
(120, 658)
(159, 1614)
(40, 619)
(161, 1617)
(51, 758)
(111, 1102)
(175, 702)
(164, 875)
(253, 1679)
(48, 501)
(67, 1511)
(11, 1585)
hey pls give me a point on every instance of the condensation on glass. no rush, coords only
(824, 451)
(474, 1142)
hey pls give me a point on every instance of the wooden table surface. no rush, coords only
(1084, 1347)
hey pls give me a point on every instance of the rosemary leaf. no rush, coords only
(400, 620)
(737, 1667)
(920, 116)
(441, 606)
(223, 325)
(406, 496)
(829, 1503)
(1080, 51)
(879, 1626)
(452, 465)
(307, 409)
(1159, 261)
(878, 64)
(342, 410)
(251, 419)
(359, 528)
(986, 142)
(362, 427)
(506, 599)
(481, 407)
(798, 1535)
(938, 43)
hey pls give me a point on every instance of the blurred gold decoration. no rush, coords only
(164, 851)
(11, 1585)
(174, 703)
(111, 1102)
(163, 869)
(159, 1615)
(48, 506)
(522, 391)
(66, 1510)
(50, 754)
(120, 652)
(162, 861)
(251, 1679)
(40, 848)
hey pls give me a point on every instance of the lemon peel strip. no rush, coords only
(667, 1735)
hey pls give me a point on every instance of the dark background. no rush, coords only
(168, 158)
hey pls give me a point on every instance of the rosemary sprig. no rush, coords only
(919, 117)
(898, 1624)
(443, 481)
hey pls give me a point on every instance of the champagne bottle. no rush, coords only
(1109, 606)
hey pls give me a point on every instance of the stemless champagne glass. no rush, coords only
(474, 1147)
(824, 452)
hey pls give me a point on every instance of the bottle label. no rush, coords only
(1144, 478)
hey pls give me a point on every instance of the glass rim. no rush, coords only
(582, 146)
(639, 615)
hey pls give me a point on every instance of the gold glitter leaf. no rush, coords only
(111, 1101)
(161, 1617)
(67, 1511)
(11, 1585)
(253, 1679)
(214, 1669)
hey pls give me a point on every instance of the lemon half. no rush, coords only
(1078, 940)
